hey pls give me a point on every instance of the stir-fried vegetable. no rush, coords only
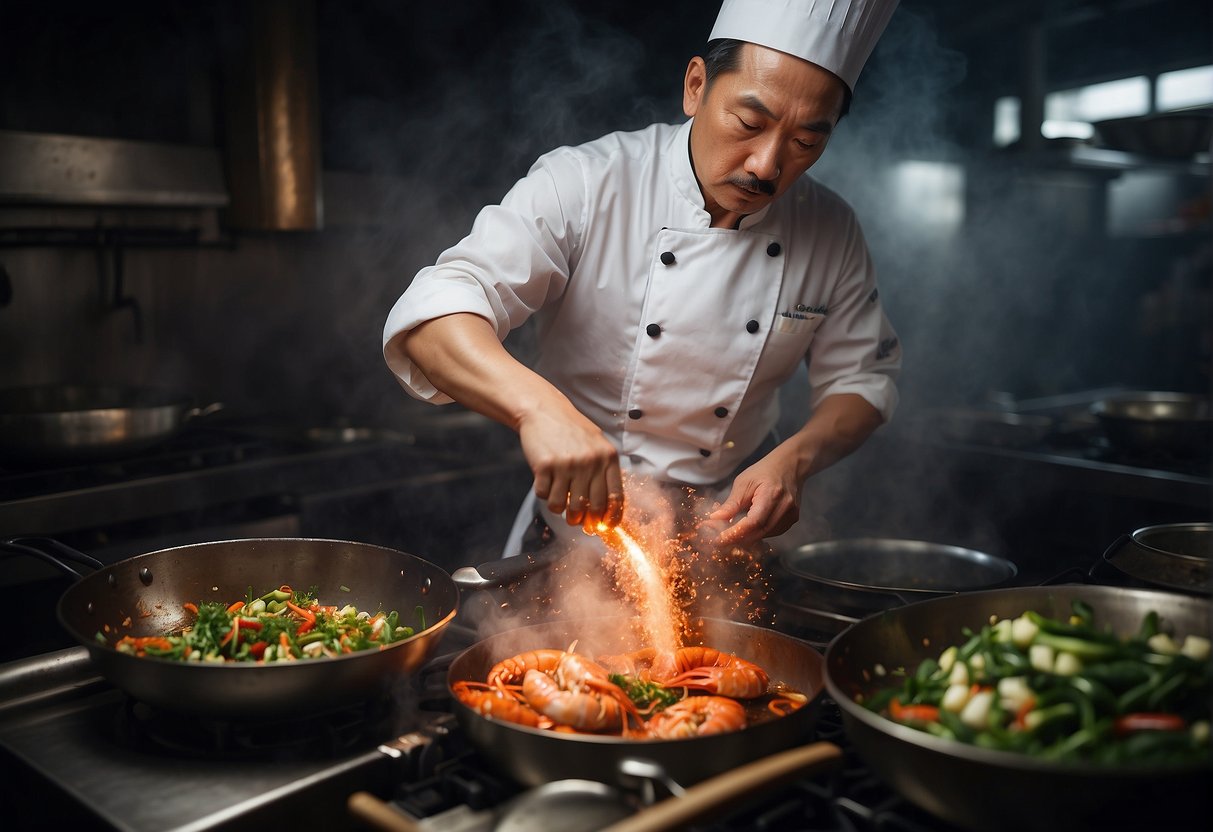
(1065, 690)
(645, 694)
(281, 625)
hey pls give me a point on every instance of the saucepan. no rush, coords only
(68, 422)
(986, 789)
(143, 596)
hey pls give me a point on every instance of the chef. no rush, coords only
(678, 276)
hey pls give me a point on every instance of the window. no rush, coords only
(1070, 112)
(1184, 88)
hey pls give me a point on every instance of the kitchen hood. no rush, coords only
(51, 169)
(264, 171)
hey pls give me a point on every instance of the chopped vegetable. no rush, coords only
(281, 625)
(1064, 690)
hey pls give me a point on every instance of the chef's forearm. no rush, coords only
(838, 426)
(461, 356)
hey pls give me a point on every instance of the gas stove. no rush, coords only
(83, 755)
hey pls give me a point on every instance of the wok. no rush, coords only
(149, 590)
(532, 756)
(1157, 422)
(1174, 557)
(64, 422)
(855, 577)
(984, 789)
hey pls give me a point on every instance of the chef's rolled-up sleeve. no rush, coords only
(856, 349)
(517, 258)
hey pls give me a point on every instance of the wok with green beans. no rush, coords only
(1075, 705)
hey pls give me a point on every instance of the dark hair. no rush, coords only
(723, 54)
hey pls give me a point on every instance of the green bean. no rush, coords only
(1084, 648)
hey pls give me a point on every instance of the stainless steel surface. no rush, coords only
(143, 596)
(223, 466)
(72, 736)
(79, 170)
(533, 757)
(68, 422)
(984, 789)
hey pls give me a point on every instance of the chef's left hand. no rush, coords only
(768, 494)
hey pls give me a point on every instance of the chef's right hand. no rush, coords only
(576, 467)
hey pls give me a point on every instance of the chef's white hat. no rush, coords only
(837, 35)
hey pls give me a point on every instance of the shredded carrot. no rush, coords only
(190, 606)
(236, 607)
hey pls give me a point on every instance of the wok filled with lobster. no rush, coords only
(573, 699)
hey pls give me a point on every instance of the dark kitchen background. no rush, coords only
(146, 241)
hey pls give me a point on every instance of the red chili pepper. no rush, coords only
(1021, 715)
(305, 627)
(250, 624)
(1129, 723)
(912, 713)
(257, 649)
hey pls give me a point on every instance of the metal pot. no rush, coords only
(852, 578)
(983, 789)
(65, 422)
(1174, 556)
(1157, 422)
(143, 596)
(532, 756)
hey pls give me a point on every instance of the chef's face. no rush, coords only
(757, 128)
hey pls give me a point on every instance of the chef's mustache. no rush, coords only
(753, 183)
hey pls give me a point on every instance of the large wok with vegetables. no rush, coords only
(1071, 706)
(255, 629)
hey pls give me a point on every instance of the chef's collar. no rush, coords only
(682, 173)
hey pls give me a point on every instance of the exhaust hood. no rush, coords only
(266, 172)
(49, 169)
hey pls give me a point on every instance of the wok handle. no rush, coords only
(502, 573)
(379, 815)
(202, 412)
(56, 554)
(714, 795)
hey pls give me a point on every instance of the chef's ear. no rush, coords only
(694, 86)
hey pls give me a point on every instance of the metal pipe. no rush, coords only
(273, 121)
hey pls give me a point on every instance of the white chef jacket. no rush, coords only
(673, 337)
